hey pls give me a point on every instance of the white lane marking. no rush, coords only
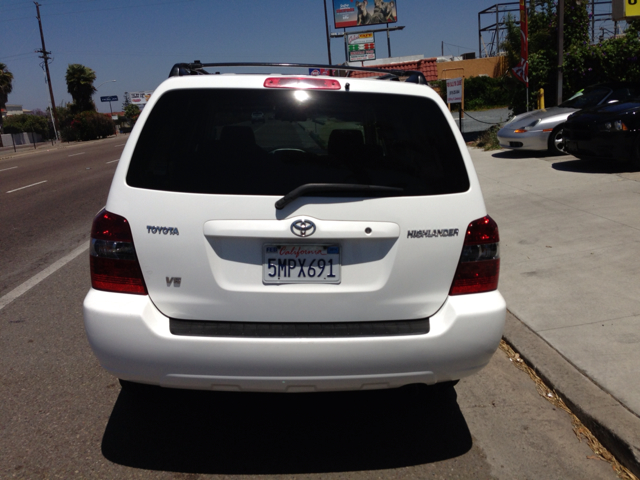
(81, 153)
(22, 188)
(10, 168)
(37, 278)
(119, 145)
(113, 161)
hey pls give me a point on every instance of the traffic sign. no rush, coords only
(112, 98)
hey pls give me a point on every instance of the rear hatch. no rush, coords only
(378, 237)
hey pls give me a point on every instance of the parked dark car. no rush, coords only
(543, 129)
(610, 131)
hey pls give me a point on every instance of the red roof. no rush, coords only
(427, 66)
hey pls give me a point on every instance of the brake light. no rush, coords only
(302, 82)
(114, 264)
(479, 266)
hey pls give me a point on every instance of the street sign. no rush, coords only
(112, 98)
(623, 9)
(362, 47)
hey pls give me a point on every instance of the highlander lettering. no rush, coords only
(447, 232)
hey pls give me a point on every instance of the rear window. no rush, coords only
(269, 142)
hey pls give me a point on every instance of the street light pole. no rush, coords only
(108, 81)
(560, 47)
(110, 109)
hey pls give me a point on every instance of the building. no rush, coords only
(438, 68)
(13, 110)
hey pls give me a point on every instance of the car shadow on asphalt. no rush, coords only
(261, 433)
(523, 154)
(593, 166)
(568, 163)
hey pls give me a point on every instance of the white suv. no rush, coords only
(343, 244)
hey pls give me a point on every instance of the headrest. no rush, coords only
(237, 134)
(343, 141)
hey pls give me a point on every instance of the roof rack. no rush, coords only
(198, 68)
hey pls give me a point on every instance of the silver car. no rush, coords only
(542, 129)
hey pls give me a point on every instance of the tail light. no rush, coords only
(479, 265)
(114, 264)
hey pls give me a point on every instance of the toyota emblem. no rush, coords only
(303, 228)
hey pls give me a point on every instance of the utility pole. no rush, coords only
(45, 55)
(326, 24)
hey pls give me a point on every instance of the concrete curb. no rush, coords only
(7, 153)
(24, 151)
(613, 425)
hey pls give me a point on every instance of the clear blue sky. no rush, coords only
(135, 42)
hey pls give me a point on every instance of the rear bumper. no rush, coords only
(131, 339)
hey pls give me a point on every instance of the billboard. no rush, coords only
(361, 47)
(353, 13)
(139, 98)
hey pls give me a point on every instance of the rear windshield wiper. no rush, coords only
(367, 190)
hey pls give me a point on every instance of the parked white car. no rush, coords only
(542, 129)
(345, 245)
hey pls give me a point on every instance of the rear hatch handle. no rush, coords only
(309, 188)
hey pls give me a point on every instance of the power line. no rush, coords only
(102, 9)
(18, 55)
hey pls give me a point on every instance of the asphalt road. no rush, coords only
(48, 199)
(62, 416)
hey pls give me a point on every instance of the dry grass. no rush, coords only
(488, 140)
(582, 432)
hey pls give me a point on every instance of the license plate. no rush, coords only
(300, 263)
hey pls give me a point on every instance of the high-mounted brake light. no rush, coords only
(114, 264)
(302, 82)
(479, 266)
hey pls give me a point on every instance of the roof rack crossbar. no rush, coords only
(198, 68)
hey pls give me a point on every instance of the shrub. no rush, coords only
(83, 126)
(488, 140)
(479, 93)
(26, 122)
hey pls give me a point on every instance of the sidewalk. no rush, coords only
(570, 270)
(21, 150)
(8, 151)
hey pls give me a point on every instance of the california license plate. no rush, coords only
(300, 263)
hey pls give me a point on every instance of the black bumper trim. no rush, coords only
(201, 328)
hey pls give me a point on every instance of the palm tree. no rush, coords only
(80, 85)
(6, 78)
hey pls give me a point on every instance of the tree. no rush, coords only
(543, 53)
(614, 59)
(611, 59)
(132, 112)
(6, 80)
(80, 85)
